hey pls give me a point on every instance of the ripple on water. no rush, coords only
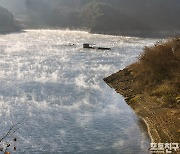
(57, 93)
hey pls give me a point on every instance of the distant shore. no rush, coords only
(142, 34)
(10, 30)
(162, 123)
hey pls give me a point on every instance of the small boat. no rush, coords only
(87, 45)
(102, 48)
(91, 46)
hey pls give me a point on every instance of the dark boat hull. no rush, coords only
(89, 46)
(97, 48)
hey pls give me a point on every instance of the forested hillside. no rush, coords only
(6, 19)
(102, 16)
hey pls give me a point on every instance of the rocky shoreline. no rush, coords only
(163, 123)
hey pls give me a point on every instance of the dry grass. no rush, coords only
(158, 70)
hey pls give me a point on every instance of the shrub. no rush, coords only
(161, 61)
(158, 71)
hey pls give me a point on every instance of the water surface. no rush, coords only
(55, 90)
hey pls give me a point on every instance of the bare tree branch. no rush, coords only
(11, 130)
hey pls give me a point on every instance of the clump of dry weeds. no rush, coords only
(158, 70)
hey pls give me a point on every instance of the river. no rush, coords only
(54, 90)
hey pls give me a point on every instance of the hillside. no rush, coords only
(7, 22)
(151, 87)
(125, 17)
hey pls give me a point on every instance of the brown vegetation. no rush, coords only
(151, 87)
(158, 71)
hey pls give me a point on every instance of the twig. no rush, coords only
(9, 132)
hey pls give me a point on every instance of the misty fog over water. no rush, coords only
(55, 90)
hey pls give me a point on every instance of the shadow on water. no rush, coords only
(143, 127)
